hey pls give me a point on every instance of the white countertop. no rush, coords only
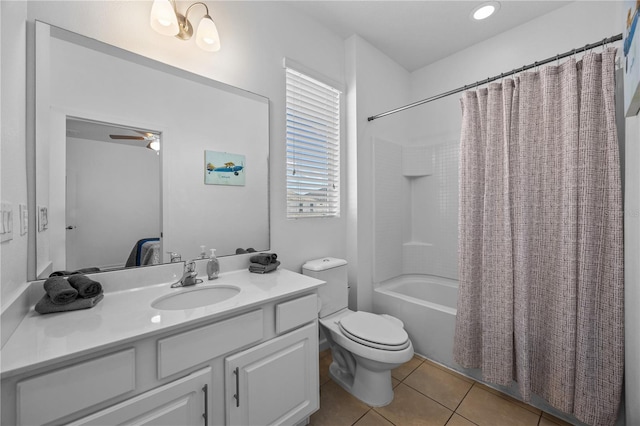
(127, 315)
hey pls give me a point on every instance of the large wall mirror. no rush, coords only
(136, 159)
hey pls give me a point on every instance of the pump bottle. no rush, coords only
(213, 266)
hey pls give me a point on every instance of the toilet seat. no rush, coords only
(374, 331)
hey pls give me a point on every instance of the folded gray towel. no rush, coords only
(258, 268)
(86, 286)
(60, 291)
(46, 306)
(263, 258)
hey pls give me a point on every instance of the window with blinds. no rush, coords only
(313, 147)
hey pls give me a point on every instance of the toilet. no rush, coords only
(365, 346)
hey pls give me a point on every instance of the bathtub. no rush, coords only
(427, 306)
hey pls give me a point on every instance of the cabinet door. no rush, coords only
(182, 402)
(275, 382)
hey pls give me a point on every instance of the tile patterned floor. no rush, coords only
(426, 394)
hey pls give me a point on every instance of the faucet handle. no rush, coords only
(190, 266)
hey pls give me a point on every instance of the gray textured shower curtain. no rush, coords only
(540, 237)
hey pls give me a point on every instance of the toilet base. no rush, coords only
(372, 387)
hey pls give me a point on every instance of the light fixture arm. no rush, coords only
(186, 29)
(166, 20)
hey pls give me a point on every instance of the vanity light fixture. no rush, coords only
(485, 10)
(166, 20)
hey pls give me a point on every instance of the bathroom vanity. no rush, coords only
(249, 359)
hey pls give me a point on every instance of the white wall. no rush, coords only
(255, 36)
(13, 254)
(632, 270)
(376, 84)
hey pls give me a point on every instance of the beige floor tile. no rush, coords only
(457, 420)
(450, 371)
(546, 422)
(373, 419)
(410, 407)
(486, 408)
(438, 385)
(337, 407)
(554, 420)
(526, 406)
(395, 382)
(325, 361)
(405, 369)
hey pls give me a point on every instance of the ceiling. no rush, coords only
(101, 132)
(418, 33)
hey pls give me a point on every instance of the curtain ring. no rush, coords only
(558, 60)
(604, 44)
(573, 52)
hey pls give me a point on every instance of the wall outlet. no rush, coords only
(6, 222)
(24, 219)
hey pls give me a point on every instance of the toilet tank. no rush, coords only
(334, 295)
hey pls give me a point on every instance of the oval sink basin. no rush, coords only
(196, 298)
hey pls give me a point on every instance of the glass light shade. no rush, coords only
(163, 18)
(154, 145)
(485, 10)
(207, 37)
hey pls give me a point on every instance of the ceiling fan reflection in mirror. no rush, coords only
(152, 138)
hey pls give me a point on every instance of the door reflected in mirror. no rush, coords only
(113, 196)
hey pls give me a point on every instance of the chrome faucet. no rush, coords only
(189, 277)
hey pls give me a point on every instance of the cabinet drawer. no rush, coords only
(185, 350)
(295, 313)
(54, 395)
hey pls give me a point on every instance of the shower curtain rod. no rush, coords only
(502, 75)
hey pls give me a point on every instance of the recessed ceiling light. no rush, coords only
(485, 10)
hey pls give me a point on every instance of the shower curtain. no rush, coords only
(540, 237)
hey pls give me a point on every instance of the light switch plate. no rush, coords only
(43, 218)
(6, 222)
(24, 219)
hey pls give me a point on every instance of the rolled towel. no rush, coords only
(263, 258)
(46, 306)
(86, 286)
(258, 268)
(60, 291)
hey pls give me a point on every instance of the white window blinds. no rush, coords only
(313, 147)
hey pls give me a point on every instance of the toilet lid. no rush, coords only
(374, 330)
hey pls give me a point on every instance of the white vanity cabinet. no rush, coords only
(185, 376)
(183, 402)
(275, 382)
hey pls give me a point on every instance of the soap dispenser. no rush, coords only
(203, 253)
(213, 266)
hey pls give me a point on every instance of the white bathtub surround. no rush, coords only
(418, 161)
(541, 241)
(426, 304)
(415, 209)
